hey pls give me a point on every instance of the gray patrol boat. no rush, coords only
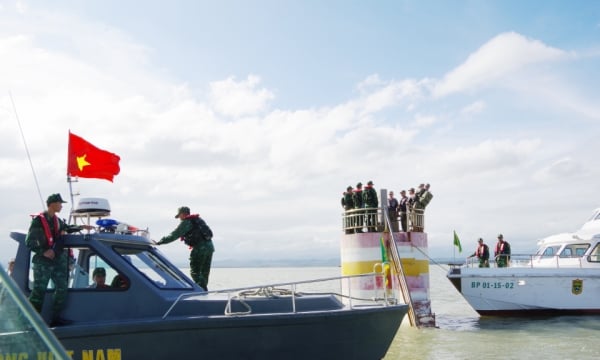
(151, 310)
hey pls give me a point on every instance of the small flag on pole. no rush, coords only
(457, 242)
(384, 257)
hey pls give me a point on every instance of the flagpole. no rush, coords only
(70, 181)
(453, 251)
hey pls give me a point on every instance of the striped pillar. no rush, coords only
(360, 254)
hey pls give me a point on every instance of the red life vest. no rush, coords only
(46, 227)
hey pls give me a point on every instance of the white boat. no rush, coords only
(561, 278)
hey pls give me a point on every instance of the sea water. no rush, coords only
(461, 333)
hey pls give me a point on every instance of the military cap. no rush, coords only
(359, 185)
(370, 182)
(349, 188)
(182, 210)
(99, 271)
(54, 198)
(500, 236)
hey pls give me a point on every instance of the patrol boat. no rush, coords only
(561, 278)
(154, 311)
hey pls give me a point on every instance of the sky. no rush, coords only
(258, 114)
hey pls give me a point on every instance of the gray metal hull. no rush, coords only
(356, 334)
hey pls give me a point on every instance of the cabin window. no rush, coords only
(595, 254)
(550, 251)
(82, 262)
(154, 268)
(574, 250)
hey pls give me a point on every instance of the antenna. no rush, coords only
(37, 185)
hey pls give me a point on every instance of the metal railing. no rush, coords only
(290, 290)
(542, 261)
(373, 220)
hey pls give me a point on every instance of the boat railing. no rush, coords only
(373, 220)
(536, 261)
(296, 289)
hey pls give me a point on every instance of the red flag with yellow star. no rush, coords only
(87, 161)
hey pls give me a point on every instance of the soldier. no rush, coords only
(194, 232)
(49, 260)
(417, 202)
(403, 209)
(371, 203)
(99, 277)
(393, 211)
(357, 197)
(348, 204)
(502, 252)
(483, 254)
(425, 196)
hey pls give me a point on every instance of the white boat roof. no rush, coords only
(591, 226)
(589, 230)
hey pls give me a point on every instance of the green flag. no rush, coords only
(457, 242)
(384, 257)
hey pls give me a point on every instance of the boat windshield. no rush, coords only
(574, 250)
(159, 272)
(549, 251)
(23, 333)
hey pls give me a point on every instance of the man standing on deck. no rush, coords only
(50, 261)
(357, 197)
(425, 196)
(197, 235)
(348, 204)
(502, 252)
(403, 209)
(393, 211)
(371, 203)
(483, 254)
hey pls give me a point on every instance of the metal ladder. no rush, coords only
(396, 261)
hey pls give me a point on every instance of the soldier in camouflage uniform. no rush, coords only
(357, 198)
(371, 203)
(348, 204)
(197, 235)
(50, 261)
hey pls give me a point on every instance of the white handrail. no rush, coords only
(263, 290)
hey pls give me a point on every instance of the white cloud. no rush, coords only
(502, 56)
(424, 120)
(565, 169)
(490, 156)
(474, 108)
(233, 98)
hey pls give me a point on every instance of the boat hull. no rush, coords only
(345, 334)
(529, 291)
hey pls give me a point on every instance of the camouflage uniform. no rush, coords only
(202, 251)
(44, 268)
(502, 252)
(371, 202)
(348, 204)
(425, 196)
(357, 198)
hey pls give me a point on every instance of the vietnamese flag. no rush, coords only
(87, 161)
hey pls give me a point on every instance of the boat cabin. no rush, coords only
(138, 281)
(568, 249)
